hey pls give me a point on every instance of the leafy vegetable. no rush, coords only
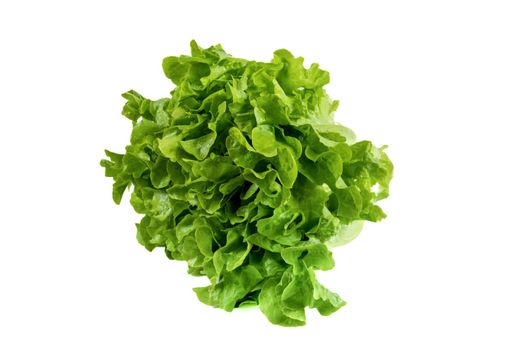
(243, 173)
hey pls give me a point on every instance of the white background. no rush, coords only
(440, 82)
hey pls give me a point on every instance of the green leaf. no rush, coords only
(169, 145)
(240, 151)
(264, 140)
(315, 255)
(159, 174)
(233, 287)
(200, 146)
(233, 254)
(294, 75)
(286, 166)
(347, 234)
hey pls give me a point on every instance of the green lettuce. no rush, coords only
(243, 173)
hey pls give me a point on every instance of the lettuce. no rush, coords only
(243, 173)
